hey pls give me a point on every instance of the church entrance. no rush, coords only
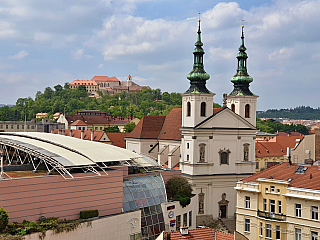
(223, 211)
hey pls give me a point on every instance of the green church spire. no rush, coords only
(241, 80)
(198, 75)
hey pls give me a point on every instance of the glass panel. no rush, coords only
(125, 190)
(129, 197)
(162, 228)
(153, 192)
(144, 186)
(150, 201)
(158, 191)
(138, 188)
(143, 222)
(162, 198)
(159, 210)
(149, 222)
(156, 185)
(160, 217)
(141, 195)
(153, 210)
(156, 200)
(126, 206)
(149, 186)
(148, 194)
(135, 195)
(154, 219)
(147, 211)
(156, 229)
(132, 205)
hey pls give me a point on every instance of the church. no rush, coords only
(213, 147)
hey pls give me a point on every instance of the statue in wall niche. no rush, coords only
(246, 152)
(202, 152)
(201, 202)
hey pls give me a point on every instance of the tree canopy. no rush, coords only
(271, 126)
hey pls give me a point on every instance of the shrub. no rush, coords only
(89, 214)
(4, 219)
(184, 200)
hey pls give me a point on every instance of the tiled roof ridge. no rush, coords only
(264, 171)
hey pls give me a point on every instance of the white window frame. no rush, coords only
(247, 202)
(279, 207)
(314, 212)
(272, 204)
(297, 233)
(261, 229)
(298, 210)
(272, 189)
(268, 231)
(314, 235)
(247, 225)
(264, 204)
(278, 232)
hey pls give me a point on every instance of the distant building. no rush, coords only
(42, 115)
(108, 85)
(281, 202)
(95, 120)
(45, 125)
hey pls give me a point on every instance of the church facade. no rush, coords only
(215, 146)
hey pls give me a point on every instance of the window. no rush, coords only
(298, 233)
(190, 218)
(278, 232)
(314, 235)
(247, 202)
(188, 145)
(11, 126)
(314, 212)
(279, 206)
(203, 109)
(18, 126)
(247, 225)
(261, 229)
(32, 127)
(264, 204)
(7, 126)
(22, 126)
(298, 210)
(278, 191)
(233, 108)
(178, 222)
(185, 220)
(247, 111)
(267, 189)
(272, 206)
(268, 231)
(272, 189)
(187, 157)
(188, 109)
(224, 156)
(257, 165)
(28, 126)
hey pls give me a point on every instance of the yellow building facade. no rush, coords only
(268, 207)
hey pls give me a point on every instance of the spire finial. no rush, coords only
(242, 22)
(199, 17)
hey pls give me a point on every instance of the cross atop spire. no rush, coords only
(198, 75)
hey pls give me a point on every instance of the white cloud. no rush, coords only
(78, 54)
(42, 37)
(282, 54)
(7, 30)
(20, 55)
(100, 66)
(216, 54)
(141, 79)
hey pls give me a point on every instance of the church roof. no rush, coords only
(171, 125)
(149, 127)
(117, 139)
(201, 234)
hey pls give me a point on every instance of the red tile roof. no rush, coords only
(286, 141)
(117, 139)
(172, 123)
(310, 179)
(216, 110)
(77, 134)
(201, 234)
(269, 149)
(78, 123)
(105, 79)
(148, 127)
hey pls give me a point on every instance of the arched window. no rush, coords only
(233, 107)
(224, 156)
(188, 109)
(203, 109)
(247, 111)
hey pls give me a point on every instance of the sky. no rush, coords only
(45, 43)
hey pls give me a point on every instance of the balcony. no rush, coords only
(274, 216)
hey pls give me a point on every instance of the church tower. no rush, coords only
(241, 100)
(197, 101)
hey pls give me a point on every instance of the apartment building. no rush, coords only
(280, 203)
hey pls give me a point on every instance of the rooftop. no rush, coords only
(201, 234)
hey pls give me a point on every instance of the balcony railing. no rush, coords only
(269, 215)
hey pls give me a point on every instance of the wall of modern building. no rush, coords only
(53, 196)
(121, 226)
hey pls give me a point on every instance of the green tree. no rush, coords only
(178, 186)
(4, 219)
(129, 126)
(112, 129)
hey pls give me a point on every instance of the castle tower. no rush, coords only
(197, 101)
(241, 100)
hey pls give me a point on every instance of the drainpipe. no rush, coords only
(70, 132)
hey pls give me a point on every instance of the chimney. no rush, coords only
(289, 155)
(70, 132)
(184, 231)
(82, 134)
(92, 135)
